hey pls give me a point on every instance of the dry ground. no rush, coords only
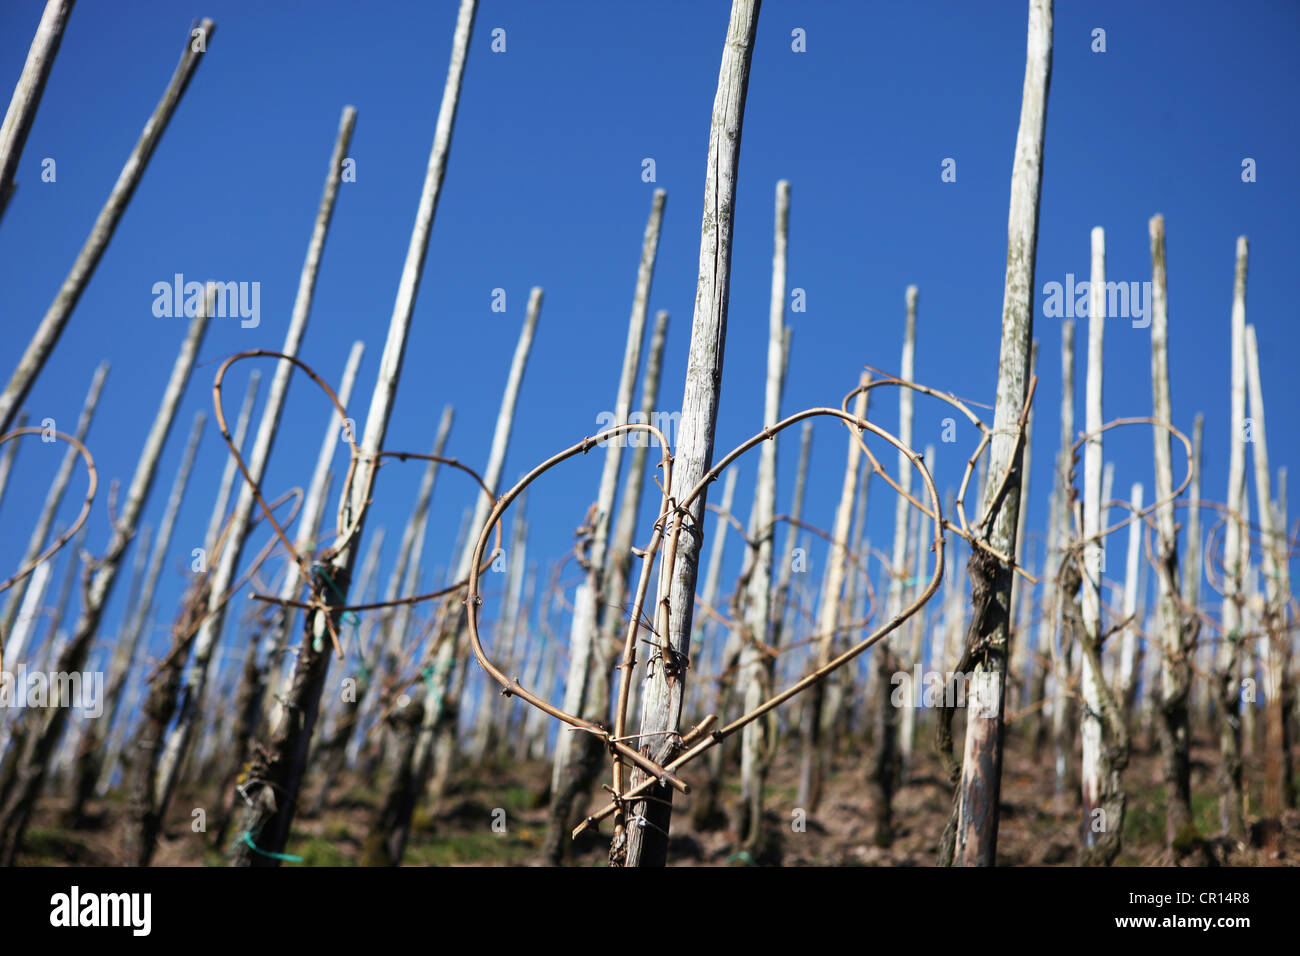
(1037, 828)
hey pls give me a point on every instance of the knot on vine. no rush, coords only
(674, 665)
(584, 535)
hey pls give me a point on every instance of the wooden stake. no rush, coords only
(1275, 554)
(27, 94)
(53, 498)
(1176, 633)
(125, 650)
(1228, 671)
(34, 763)
(586, 688)
(1105, 738)
(313, 505)
(438, 729)
(756, 670)
(625, 528)
(241, 521)
(647, 836)
(1126, 682)
(977, 801)
(7, 454)
(56, 318)
(265, 825)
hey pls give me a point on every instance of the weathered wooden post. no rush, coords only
(1127, 674)
(1176, 632)
(313, 506)
(586, 689)
(426, 731)
(91, 749)
(277, 778)
(981, 783)
(1228, 671)
(641, 837)
(56, 318)
(209, 635)
(34, 762)
(900, 725)
(756, 670)
(815, 756)
(53, 498)
(625, 528)
(1105, 739)
(27, 94)
(1275, 555)
(437, 732)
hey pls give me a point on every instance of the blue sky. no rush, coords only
(544, 187)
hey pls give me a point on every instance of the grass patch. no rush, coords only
(1144, 820)
(358, 796)
(780, 796)
(479, 847)
(51, 846)
(422, 821)
(316, 851)
(1205, 812)
(1144, 817)
(516, 799)
(337, 832)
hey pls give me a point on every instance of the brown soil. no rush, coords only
(1037, 828)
